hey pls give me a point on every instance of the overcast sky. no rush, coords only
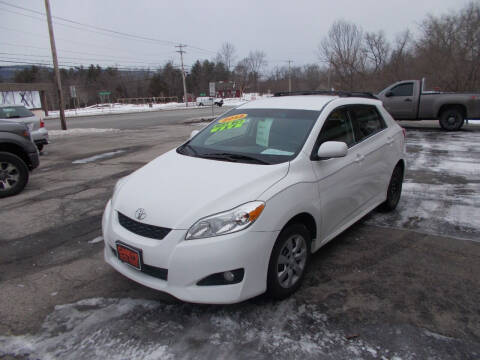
(282, 29)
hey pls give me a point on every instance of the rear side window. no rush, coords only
(337, 127)
(12, 112)
(403, 90)
(366, 121)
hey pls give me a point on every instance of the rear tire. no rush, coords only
(40, 147)
(394, 190)
(452, 119)
(13, 174)
(288, 261)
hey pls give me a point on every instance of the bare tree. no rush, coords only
(226, 55)
(343, 51)
(448, 50)
(377, 50)
(256, 62)
(241, 73)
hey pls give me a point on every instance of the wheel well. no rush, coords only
(402, 165)
(307, 220)
(462, 108)
(15, 149)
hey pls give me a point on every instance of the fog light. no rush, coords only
(228, 276)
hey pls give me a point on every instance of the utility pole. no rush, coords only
(55, 66)
(289, 76)
(181, 52)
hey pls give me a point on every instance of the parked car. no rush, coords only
(207, 101)
(238, 209)
(407, 100)
(18, 156)
(19, 113)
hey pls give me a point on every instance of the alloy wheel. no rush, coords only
(291, 261)
(9, 176)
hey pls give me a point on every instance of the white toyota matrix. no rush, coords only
(240, 207)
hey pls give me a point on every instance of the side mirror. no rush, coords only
(389, 94)
(193, 133)
(332, 149)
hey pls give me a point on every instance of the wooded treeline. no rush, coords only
(445, 50)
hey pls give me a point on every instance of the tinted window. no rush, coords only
(337, 127)
(367, 121)
(403, 90)
(270, 135)
(12, 112)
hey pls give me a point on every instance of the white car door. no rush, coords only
(340, 188)
(374, 148)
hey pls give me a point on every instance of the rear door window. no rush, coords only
(366, 121)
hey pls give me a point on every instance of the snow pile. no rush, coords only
(96, 240)
(118, 108)
(98, 157)
(76, 132)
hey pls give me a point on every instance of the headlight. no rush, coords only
(226, 222)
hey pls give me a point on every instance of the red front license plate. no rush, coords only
(129, 255)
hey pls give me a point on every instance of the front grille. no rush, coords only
(149, 231)
(154, 271)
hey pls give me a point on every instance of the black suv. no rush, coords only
(18, 156)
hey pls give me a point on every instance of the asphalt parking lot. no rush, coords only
(403, 285)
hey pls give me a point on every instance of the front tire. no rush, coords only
(394, 190)
(288, 261)
(452, 119)
(13, 174)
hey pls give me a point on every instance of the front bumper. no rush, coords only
(34, 160)
(189, 261)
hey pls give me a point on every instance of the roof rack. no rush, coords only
(327, 92)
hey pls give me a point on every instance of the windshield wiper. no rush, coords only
(234, 158)
(190, 147)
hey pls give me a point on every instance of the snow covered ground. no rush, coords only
(441, 193)
(76, 132)
(101, 328)
(118, 108)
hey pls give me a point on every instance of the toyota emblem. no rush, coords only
(140, 214)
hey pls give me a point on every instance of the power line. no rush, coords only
(70, 41)
(181, 52)
(101, 29)
(79, 59)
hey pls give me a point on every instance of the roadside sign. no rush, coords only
(104, 93)
(73, 91)
(212, 88)
(203, 94)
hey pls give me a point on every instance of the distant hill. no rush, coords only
(7, 73)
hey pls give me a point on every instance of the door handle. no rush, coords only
(359, 158)
(408, 100)
(389, 140)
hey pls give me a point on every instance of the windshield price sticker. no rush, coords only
(232, 118)
(231, 124)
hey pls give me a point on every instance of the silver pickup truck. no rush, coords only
(406, 100)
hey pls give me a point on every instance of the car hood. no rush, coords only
(177, 190)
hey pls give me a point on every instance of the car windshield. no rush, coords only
(261, 136)
(12, 112)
